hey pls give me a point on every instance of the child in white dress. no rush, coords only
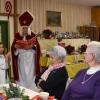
(3, 65)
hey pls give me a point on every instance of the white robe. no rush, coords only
(3, 67)
(26, 67)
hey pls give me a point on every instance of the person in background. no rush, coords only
(60, 42)
(86, 84)
(53, 80)
(25, 54)
(3, 64)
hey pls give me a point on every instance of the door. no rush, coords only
(4, 34)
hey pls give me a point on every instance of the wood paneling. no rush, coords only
(95, 18)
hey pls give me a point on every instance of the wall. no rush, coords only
(2, 5)
(72, 15)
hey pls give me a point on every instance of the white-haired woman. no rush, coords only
(86, 84)
(53, 80)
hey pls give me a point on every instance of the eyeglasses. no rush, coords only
(88, 53)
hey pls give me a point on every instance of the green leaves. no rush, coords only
(14, 91)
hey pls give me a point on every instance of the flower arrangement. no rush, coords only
(47, 33)
(14, 91)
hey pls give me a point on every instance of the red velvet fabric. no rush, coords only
(25, 19)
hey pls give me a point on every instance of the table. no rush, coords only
(48, 43)
(28, 92)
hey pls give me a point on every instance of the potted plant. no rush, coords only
(47, 33)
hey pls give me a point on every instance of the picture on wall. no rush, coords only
(53, 18)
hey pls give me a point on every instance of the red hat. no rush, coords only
(25, 19)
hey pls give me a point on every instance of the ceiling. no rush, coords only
(85, 2)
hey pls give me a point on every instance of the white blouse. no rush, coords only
(93, 70)
(3, 67)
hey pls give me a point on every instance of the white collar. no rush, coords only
(92, 70)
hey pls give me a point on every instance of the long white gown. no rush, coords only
(26, 67)
(3, 67)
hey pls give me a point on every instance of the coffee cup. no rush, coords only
(44, 95)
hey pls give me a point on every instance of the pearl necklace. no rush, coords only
(86, 80)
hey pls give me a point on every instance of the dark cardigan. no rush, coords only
(55, 83)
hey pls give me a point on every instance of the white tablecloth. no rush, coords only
(28, 92)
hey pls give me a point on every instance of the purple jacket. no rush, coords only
(90, 90)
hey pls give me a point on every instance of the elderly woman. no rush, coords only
(53, 80)
(86, 84)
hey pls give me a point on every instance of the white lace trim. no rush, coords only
(92, 70)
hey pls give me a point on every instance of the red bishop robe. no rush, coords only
(31, 40)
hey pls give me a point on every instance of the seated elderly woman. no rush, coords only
(53, 80)
(86, 84)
